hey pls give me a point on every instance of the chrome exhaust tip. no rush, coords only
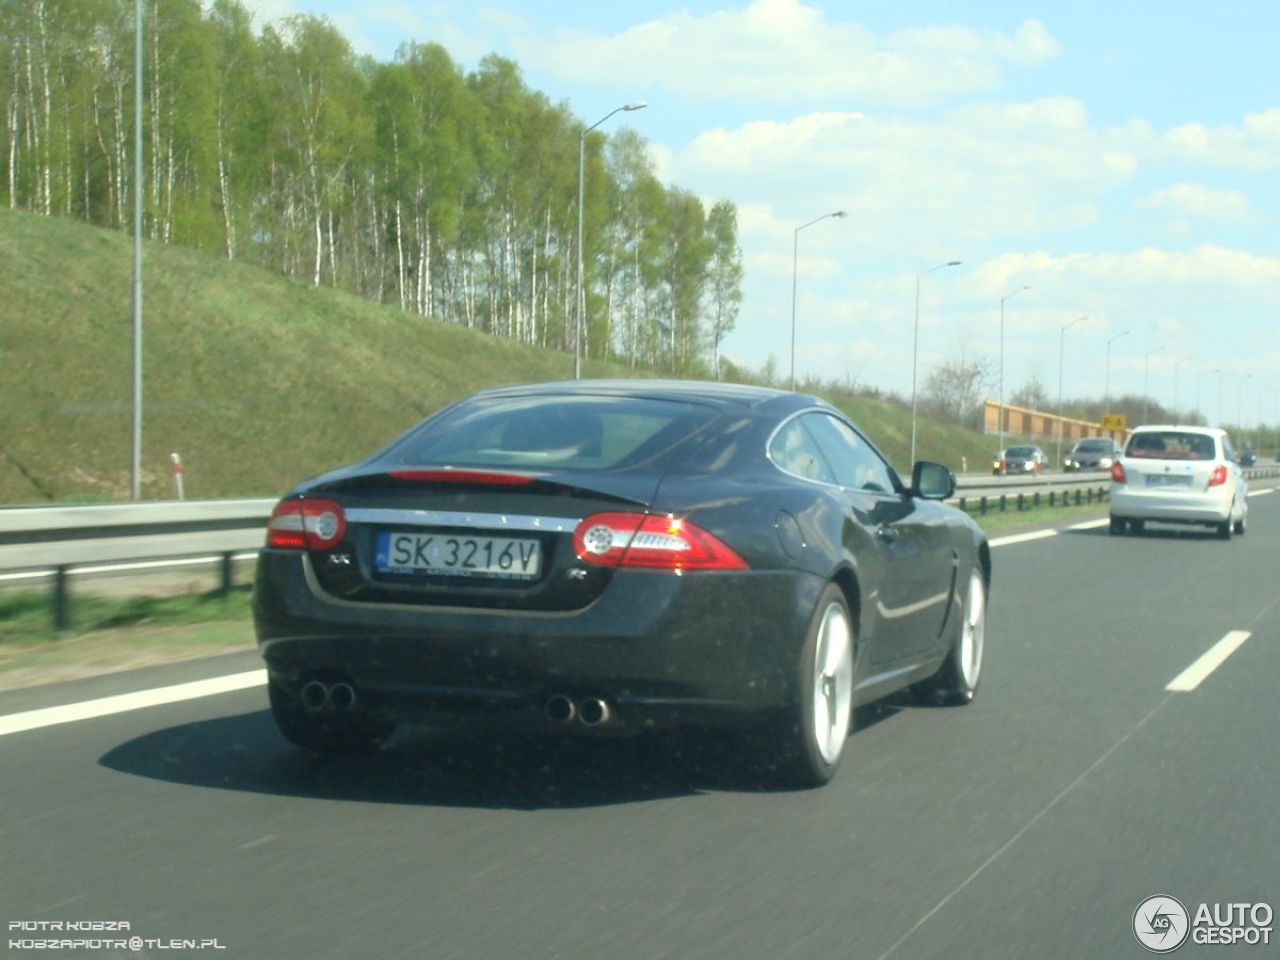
(314, 696)
(342, 697)
(593, 711)
(560, 709)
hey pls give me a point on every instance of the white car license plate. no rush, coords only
(458, 555)
(1168, 480)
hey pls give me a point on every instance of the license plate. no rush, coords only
(458, 556)
(1168, 480)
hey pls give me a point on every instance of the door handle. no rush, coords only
(886, 533)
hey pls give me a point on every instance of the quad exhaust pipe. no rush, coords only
(320, 697)
(592, 711)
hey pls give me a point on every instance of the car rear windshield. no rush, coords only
(1171, 445)
(1093, 446)
(1021, 452)
(553, 432)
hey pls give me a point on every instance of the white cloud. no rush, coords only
(1254, 145)
(1200, 202)
(1204, 267)
(920, 187)
(783, 50)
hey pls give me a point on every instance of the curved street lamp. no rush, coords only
(1106, 382)
(915, 350)
(1240, 402)
(582, 156)
(1000, 417)
(1146, 378)
(1176, 364)
(795, 262)
(1062, 343)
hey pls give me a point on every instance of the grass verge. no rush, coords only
(116, 634)
(1043, 516)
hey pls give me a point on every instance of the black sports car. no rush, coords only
(608, 557)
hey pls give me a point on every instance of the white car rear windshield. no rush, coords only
(1171, 445)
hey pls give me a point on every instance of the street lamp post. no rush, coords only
(135, 465)
(795, 263)
(915, 350)
(1000, 413)
(1106, 378)
(1240, 402)
(1062, 343)
(582, 159)
(1219, 373)
(1200, 373)
(1146, 379)
(1176, 364)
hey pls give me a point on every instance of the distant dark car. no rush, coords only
(1020, 460)
(1092, 453)
(611, 557)
(1248, 458)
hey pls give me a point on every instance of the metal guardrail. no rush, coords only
(59, 542)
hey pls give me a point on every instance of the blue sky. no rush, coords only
(1119, 159)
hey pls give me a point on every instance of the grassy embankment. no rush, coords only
(256, 380)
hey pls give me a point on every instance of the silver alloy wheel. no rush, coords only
(832, 682)
(974, 631)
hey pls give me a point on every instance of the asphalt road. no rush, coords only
(1030, 824)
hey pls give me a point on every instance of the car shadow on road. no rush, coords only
(424, 768)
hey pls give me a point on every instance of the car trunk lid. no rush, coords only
(471, 538)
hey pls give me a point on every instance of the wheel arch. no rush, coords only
(846, 578)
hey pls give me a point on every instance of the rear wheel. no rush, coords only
(325, 732)
(1224, 529)
(808, 741)
(956, 681)
(1241, 524)
(1117, 526)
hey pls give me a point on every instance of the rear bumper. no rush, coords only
(660, 649)
(1189, 507)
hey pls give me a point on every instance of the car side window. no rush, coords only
(857, 466)
(795, 451)
(1227, 451)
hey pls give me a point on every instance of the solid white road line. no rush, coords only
(1210, 661)
(1261, 493)
(1090, 524)
(1023, 537)
(123, 703)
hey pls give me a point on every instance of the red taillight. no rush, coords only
(313, 524)
(659, 542)
(1218, 477)
(492, 478)
(1117, 473)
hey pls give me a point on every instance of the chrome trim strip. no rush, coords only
(451, 518)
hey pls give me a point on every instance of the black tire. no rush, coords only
(1117, 526)
(798, 755)
(351, 733)
(1241, 525)
(957, 680)
(1224, 529)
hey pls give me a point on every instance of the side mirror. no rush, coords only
(932, 481)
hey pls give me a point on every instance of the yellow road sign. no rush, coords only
(1113, 422)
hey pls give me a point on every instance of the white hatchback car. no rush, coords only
(1179, 475)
